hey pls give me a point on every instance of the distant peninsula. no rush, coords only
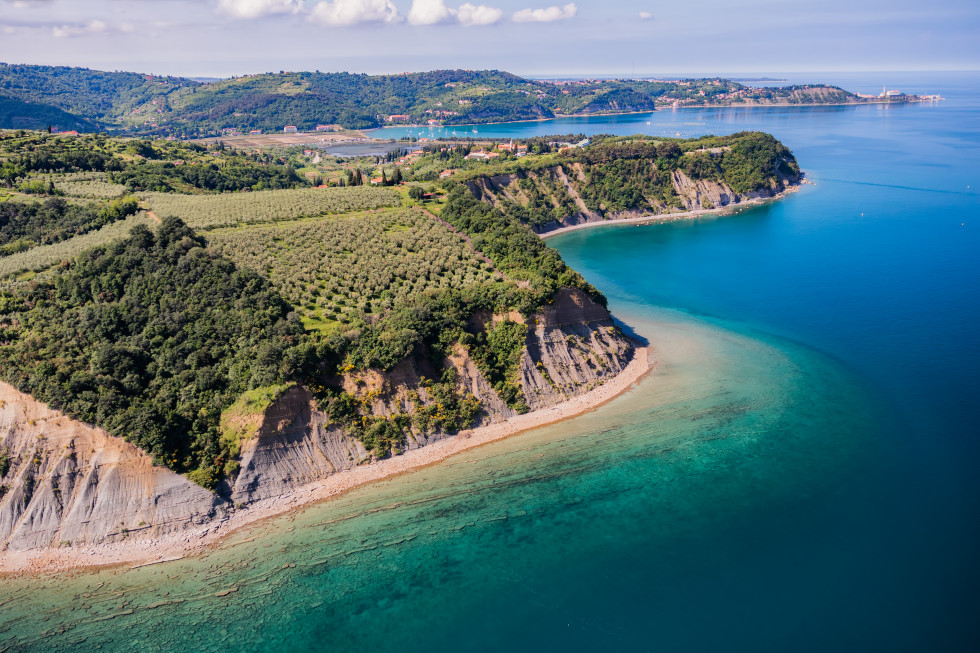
(81, 99)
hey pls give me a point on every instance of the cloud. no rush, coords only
(469, 14)
(258, 8)
(645, 15)
(548, 15)
(353, 12)
(432, 12)
(68, 31)
(429, 12)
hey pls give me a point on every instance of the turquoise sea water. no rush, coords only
(798, 472)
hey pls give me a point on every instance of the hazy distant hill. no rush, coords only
(106, 97)
(17, 114)
(182, 107)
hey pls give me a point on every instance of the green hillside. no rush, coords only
(18, 114)
(151, 313)
(172, 106)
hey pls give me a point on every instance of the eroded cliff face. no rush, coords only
(571, 347)
(67, 482)
(691, 194)
(295, 445)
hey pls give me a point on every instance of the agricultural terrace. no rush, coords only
(44, 256)
(336, 268)
(230, 209)
(88, 185)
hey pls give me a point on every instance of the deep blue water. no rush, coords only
(878, 265)
(799, 473)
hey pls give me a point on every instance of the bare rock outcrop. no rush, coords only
(691, 194)
(68, 482)
(574, 346)
(295, 445)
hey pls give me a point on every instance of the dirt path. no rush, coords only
(150, 214)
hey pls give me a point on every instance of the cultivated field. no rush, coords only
(44, 256)
(335, 267)
(229, 209)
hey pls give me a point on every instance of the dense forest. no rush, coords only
(150, 338)
(24, 225)
(19, 114)
(185, 108)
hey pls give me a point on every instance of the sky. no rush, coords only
(220, 38)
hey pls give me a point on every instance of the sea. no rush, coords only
(799, 472)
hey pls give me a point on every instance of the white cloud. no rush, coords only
(645, 15)
(67, 31)
(429, 12)
(432, 12)
(352, 12)
(258, 8)
(469, 14)
(548, 15)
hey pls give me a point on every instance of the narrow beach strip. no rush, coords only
(151, 551)
(656, 218)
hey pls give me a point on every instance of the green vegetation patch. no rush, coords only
(351, 269)
(229, 209)
(497, 352)
(24, 225)
(42, 257)
(151, 338)
(514, 249)
(142, 165)
(241, 421)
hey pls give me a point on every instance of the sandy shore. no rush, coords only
(142, 552)
(681, 215)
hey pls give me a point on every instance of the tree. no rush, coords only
(416, 193)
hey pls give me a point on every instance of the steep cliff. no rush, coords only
(560, 187)
(64, 482)
(571, 346)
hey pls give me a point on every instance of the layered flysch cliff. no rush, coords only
(561, 184)
(571, 347)
(64, 482)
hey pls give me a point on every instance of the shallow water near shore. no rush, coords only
(476, 550)
(798, 472)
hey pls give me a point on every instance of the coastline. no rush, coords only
(152, 551)
(656, 218)
(370, 133)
